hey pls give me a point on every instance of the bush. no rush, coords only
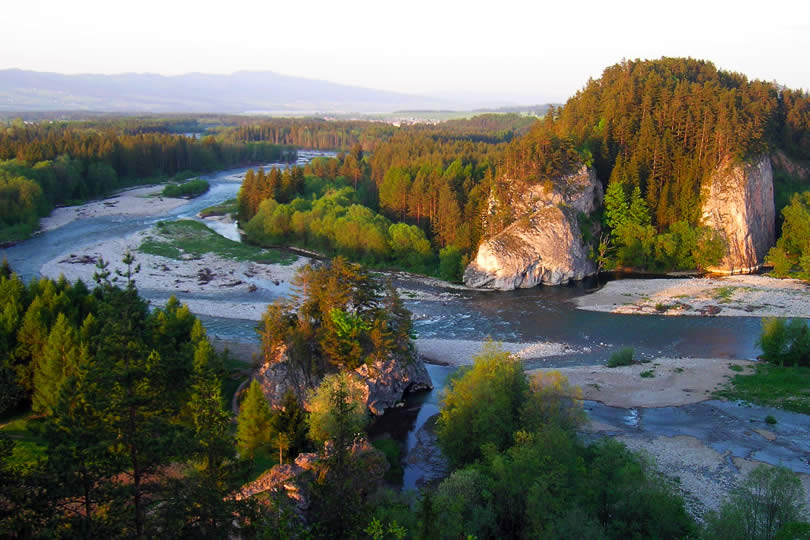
(785, 342)
(193, 188)
(770, 419)
(392, 452)
(482, 405)
(768, 502)
(780, 261)
(451, 264)
(622, 357)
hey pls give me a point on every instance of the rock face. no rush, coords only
(738, 202)
(383, 383)
(544, 244)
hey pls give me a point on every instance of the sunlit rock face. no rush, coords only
(544, 243)
(738, 202)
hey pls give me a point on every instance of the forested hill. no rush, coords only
(665, 125)
(656, 131)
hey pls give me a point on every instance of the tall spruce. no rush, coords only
(253, 424)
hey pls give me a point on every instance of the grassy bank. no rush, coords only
(784, 387)
(187, 238)
(228, 207)
(189, 189)
(23, 430)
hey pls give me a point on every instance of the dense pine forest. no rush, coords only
(655, 131)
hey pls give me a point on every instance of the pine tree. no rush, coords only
(617, 209)
(135, 406)
(211, 421)
(291, 420)
(58, 361)
(253, 424)
(204, 504)
(80, 465)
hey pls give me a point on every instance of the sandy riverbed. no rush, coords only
(675, 381)
(209, 273)
(704, 476)
(748, 295)
(141, 201)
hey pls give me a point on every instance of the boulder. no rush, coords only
(544, 248)
(738, 202)
(384, 382)
(543, 245)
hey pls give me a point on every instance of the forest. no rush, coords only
(656, 131)
(49, 164)
(130, 435)
(415, 203)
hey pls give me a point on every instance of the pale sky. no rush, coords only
(528, 52)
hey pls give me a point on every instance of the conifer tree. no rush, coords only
(253, 424)
(80, 464)
(58, 361)
(291, 420)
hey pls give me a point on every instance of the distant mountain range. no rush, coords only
(240, 92)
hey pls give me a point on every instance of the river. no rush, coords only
(530, 315)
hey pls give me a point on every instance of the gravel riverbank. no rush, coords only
(726, 296)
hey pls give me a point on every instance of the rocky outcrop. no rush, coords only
(383, 383)
(544, 243)
(580, 191)
(295, 480)
(738, 202)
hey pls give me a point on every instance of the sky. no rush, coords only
(528, 51)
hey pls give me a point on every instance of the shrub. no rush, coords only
(482, 405)
(770, 419)
(622, 357)
(780, 261)
(192, 188)
(392, 452)
(785, 341)
(767, 502)
(451, 264)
